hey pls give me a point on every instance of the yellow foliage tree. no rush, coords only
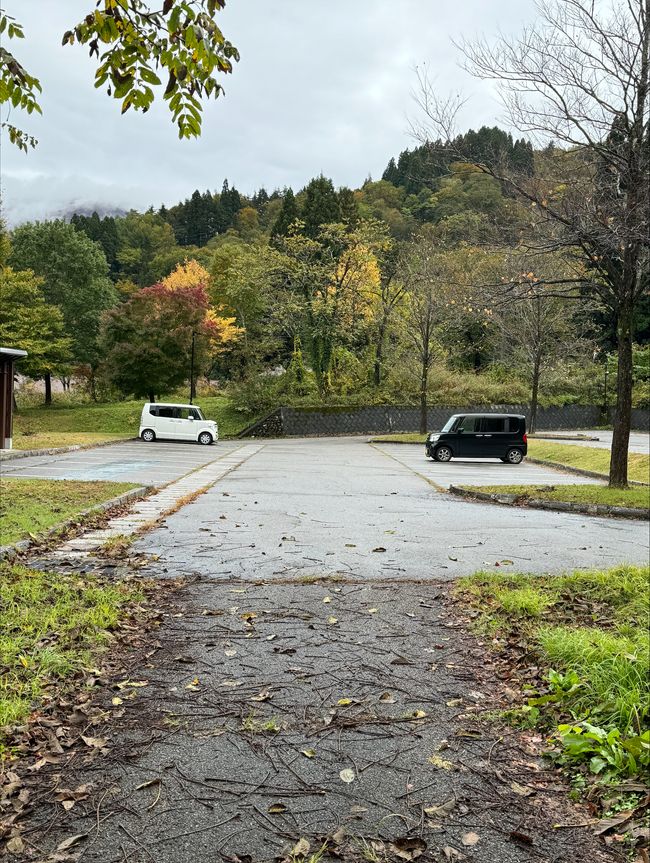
(223, 330)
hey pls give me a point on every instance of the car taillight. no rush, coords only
(525, 438)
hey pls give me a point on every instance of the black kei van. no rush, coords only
(480, 436)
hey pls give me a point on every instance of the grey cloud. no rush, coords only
(320, 87)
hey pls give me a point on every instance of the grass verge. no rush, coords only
(53, 627)
(402, 437)
(589, 680)
(69, 423)
(636, 497)
(49, 440)
(588, 458)
(30, 506)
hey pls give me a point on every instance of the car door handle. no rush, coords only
(479, 435)
(484, 435)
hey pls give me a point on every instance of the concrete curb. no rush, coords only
(10, 454)
(555, 505)
(9, 551)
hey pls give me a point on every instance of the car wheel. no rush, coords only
(514, 456)
(442, 453)
(148, 435)
(205, 438)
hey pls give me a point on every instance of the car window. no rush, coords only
(198, 414)
(153, 410)
(167, 412)
(492, 425)
(186, 413)
(470, 424)
(512, 424)
(449, 424)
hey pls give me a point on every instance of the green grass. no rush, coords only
(63, 423)
(53, 626)
(588, 458)
(30, 506)
(636, 496)
(589, 623)
(402, 437)
(47, 440)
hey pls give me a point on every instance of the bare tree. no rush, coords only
(540, 332)
(579, 80)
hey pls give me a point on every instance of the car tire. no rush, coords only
(514, 456)
(205, 438)
(148, 435)
(442, 453)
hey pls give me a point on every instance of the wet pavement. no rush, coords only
(312, 688)
(130, 461)
(321, 507)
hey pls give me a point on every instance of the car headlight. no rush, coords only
(433, 437)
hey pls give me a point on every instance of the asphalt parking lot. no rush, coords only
(339, 506)
(130, 461)
(477, 471)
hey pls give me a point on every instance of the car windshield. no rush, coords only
(198, 414)
(447, 426)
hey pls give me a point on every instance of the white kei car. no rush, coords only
(163, 421)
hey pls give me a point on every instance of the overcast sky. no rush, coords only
(321, 87)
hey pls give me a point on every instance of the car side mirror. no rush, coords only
(191, 418)
(461, 430)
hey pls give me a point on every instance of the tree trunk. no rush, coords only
(48, 389)
(152, 397)
(423, 397)
(534, 394)
(193, 388)
(379, 352)
(623, 413)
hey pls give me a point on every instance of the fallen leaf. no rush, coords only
(231, 652)
(440, 763)
(94, 742)
(194, 684)
(277, 808)
(522, 790)
(347, 775)
(271, 637)
(343, 702)
(309, 753)
(387, 698)
(452, 853)
(606, 824)
(115, 701)
(147, 784)
(379, 548)
(469, 839)
(248, 616)
(442, 810)
(408, 848)
(327, 599)
(70, 841)
(521, 837)
(373, 610)
(332, 620)
(132, 683)
(15, 845)
(264, 695)
(419, 714)
(301, 847)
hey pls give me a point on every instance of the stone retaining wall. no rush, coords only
(385, 419)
